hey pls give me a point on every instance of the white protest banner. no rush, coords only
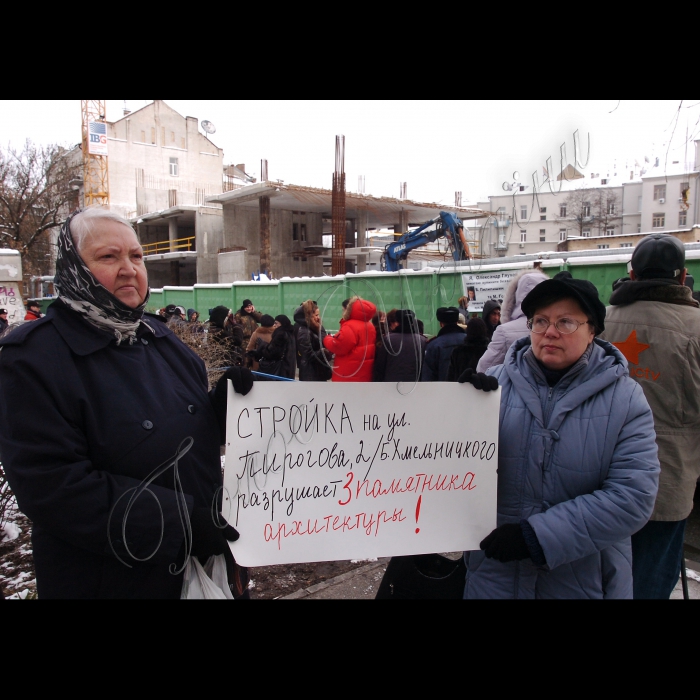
(323, 471)
(479, 287)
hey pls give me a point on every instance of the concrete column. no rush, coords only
(172, 232)
(361, 238)
(403, 221)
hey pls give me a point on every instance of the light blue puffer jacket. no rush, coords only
(579, 462)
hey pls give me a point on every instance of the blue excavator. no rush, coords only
(446, 226)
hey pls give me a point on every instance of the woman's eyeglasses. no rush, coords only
(565, 326)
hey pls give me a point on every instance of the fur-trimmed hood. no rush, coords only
(518, 288)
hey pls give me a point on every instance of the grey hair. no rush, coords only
(83, 225)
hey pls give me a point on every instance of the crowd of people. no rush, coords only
(596, 461)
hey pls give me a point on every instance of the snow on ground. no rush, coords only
(11, 532)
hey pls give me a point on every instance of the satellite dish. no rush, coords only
(208, 126)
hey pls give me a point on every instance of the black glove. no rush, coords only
(241, 378)
(479, 380)
(506, 543)
(208, 539)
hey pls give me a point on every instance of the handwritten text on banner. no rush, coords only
(329, 471)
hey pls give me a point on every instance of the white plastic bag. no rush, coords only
(209, 582)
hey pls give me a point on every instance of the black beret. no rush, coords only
(583, 291)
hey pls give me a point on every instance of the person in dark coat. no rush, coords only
(470, 351)
(315, 362)
(491, 316)
(439, 349)
(399, 356)
(278, 357)
(119, 405)
(3, 321)
(260, 338)
(248, 318)
(226, 333)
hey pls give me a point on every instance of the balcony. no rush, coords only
(176, 246)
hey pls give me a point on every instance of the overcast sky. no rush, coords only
(437, 147)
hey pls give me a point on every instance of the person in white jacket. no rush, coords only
(513, 320)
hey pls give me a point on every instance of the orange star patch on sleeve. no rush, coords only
(631, 348)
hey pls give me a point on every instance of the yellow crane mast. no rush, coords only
(95, 173)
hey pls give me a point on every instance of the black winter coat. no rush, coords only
(281, 349)
(85, 422)
(314, 360)
(465, 356)
(399, 358)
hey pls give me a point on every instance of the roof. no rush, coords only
(381, 211)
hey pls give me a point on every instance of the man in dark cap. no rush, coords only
(654, 321)
(3, 321)
(439, 349)
(248, 318)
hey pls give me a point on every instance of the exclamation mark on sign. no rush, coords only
(418, 513)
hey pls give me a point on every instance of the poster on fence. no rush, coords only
(479, 287)
(324, 471)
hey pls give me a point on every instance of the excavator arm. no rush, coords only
(446, 226)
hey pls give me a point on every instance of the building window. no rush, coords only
(639, 228)
(523, 212)
(603, 246)
(585, 209)
(182, 142)
(682, 218)
(659, 191)
(562, 235)
(603, 181)
(501, 213)
(658, 221)
(523, 236)
(543, 217)
(610, 231)
(541, 235)
(173, 167)
(586, 233)
(543, 210)
(153, 134)
(625, 245)
(543, 213)
(639, 204)
(172, 136)
(684, 186)
(143, 136)
(611, 208)
(562, 210)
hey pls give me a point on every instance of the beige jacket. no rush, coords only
(660, 337)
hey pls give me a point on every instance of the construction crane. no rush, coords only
(95, 173)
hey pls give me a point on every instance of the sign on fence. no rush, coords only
(11, 299)
(329, 471)
(479, 287)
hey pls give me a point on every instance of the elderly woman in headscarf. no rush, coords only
(119, 469)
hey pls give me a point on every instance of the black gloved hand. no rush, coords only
(208, 539)
(506, 543)
(478, 380)
(241, 378)
(242, 383)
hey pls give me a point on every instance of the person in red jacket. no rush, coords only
(33, 311)
(354, 344)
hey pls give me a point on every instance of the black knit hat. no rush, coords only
(284, 320)
(246, 302)
(267, 321)
(447, 314)
(562, 287)
(658, 256)
(218, 315)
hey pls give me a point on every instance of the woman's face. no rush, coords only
(195, 316)
(316, 317)
(115, 258)
(554, 349)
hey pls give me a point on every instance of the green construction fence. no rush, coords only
(423, 291)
